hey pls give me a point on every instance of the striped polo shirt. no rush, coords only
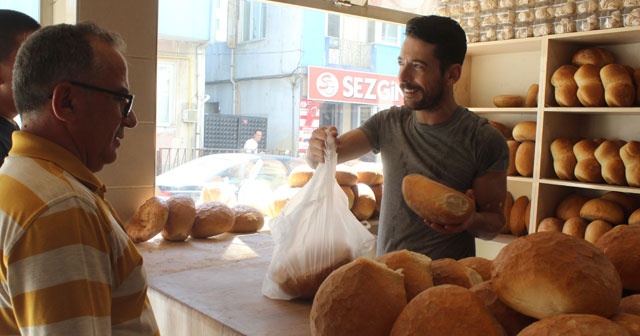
(68, 267)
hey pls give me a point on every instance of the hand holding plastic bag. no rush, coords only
(314, 234)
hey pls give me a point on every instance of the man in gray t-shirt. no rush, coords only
(433, 136)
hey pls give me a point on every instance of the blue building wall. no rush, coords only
(184, 20)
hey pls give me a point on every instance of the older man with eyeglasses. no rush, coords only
(68, 267)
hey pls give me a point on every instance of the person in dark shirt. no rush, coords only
(14, 29)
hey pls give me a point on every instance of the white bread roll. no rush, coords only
(364, 204)
(182, 214)
(452, 272)
(565, 87)
(517, 221)
(524, 158)
(630, 155)
(212, 218)
(436, 202)
(590, 89)
(606, 210)
(587, 168)
(416, 268)
(564, 161)
(550, 224)
(513, 149)
(618, 85)
(436, 312)
(570, 206)
(531, 98)
(247, 219)
(575, 227)
(479, 264)
(524, 131)
(621, 245)
(363, 297)
(574, 324)
(595, 230)
(544, 274)
(593, 55)
(511, 320)
(611, 165)
(507, 101)
(148, 220)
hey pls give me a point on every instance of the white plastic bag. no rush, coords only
(314, 234)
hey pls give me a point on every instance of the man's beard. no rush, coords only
(429, 101)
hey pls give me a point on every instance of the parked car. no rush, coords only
(230, 178)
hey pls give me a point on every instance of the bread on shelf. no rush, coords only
(590, 89)
(565, 86)
(596, 56)
(619, 90)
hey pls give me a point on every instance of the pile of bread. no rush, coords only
(598, 160)
(178, 218)
(517, 215)
(362, 183)
(521, 141)
(594, 79)
(589, 218)
(545, 283)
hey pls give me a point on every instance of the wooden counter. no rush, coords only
(214, 287)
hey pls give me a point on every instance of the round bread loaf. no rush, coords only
(511, 320)
(507, 101)
(212, 218)
(368, 172)
(593, 55)
(531, 98)
(377, 191)
(564, 161)
(545, 274)
(364, 204)
(351, 194)
(570, 206)
(182, 214)
(513, 149)
(611, 165)
(595, 230)
(575, 226)
(363, 297)
(630, 155)
(452, 272)
(517, 222)
(550, 224)
(524, 158)
(345, 175)
(600, 208)
(619, 90)
(478, 264)
(621, 245)
(630, 305)
(148, 220)
(590, 89)
(630, 322)
(574, 324)
(436, 202)
(628, 202)
(508, 205)
(524, 131)
(416, 268)
(437, 312)
(300, 175)
(634, 218)
(247, 219)
(565, 87)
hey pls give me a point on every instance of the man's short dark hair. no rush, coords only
(12, 25)
(445, 33)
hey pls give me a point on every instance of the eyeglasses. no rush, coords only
(128, 98)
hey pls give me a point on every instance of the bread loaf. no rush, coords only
(570, 206)
(630, 322)
(550, 224)
(595, 230)
(300, 175)
(513, 149)
(377, 192)
(511, 320)
(416, 268)
(636, 80)
(247, 219)
(545, 274)
(618, 85)
(634, 218)
(628, 202)
(281, 197)
(364, 297)
(587, 167)
(478, 264)
(182, 214)
(368, 172)
(620, 245)
(364, 203)
(524, 158)
(575, 226)
(525, 131)
(345, 175)
(507, 101)
(212, 218)
(564, 161)
(531, 98)
(599, 208)
(590, 89)
(436, 312)
(593, 55)
(630, 155)
(517, 216)
(436, 202)
(351, 194)
(565, 87)
(452, 272)
(574, 324)
(611, 165)
(630, 304)
(148, 220)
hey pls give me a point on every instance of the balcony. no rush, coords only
(348, 53)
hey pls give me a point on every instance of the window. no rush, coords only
(333, 25)
(254, 21)
(383, 32)
(165, 91)
(364, 113)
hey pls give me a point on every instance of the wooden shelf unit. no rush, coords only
(510, 67)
